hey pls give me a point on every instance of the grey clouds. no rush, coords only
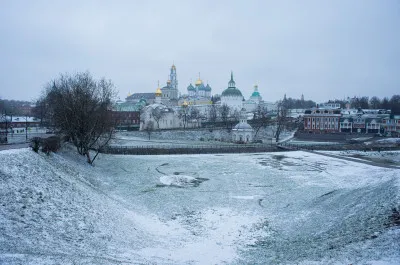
(322, 49)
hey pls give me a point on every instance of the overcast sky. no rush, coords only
(322, 49)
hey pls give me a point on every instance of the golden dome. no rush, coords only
(185, 104)
(198, 82)
(168, 81)
(158, 92)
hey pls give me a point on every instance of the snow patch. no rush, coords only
(177, 180)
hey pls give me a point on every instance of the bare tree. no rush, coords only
(79, 108)
(235, 116)
(260, 119)
(385, 103)
(374, 102)
(281, 119)
(157, 114)
(194, 114)
(149, 127)
(395, 104)
(183, 115)
(40, 109)
(224, 111)
(212, 114)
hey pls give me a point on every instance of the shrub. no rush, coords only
(51, 144)
(35, 143)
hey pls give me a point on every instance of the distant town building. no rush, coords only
(16, 124)
(126, 115)
(329, 105)
(391, 124)
(322, 120)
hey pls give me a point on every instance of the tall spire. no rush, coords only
(231, 82)
(173, 79)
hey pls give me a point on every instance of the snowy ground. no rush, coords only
(388, 157)
(270, 208)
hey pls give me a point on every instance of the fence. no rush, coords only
(189, 149)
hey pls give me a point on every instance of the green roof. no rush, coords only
(255, 94)
(232, 91)
(126, 106)
(190, 88)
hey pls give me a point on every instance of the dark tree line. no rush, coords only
(14, 107)
(374, 102)
(78, 107)
(292, 103)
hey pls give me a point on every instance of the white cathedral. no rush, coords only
(232, 97)
(199, 90)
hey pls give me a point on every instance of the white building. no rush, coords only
(232, 97)
(254, 101)
(159, 116)
(242, 132)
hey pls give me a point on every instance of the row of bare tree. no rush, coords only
(218, 116)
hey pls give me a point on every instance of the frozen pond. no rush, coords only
(249, 208)
(270, 208)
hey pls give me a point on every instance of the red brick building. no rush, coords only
(322, 120)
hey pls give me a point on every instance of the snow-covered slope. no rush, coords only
(287, 208)
(50, 214)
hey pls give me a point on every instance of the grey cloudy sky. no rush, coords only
(322, 49)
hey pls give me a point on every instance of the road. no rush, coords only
(13, 146)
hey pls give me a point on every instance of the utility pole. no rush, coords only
(11, 120)
(5, 116)
(26, 128)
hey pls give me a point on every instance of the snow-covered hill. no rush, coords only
(288, 208)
